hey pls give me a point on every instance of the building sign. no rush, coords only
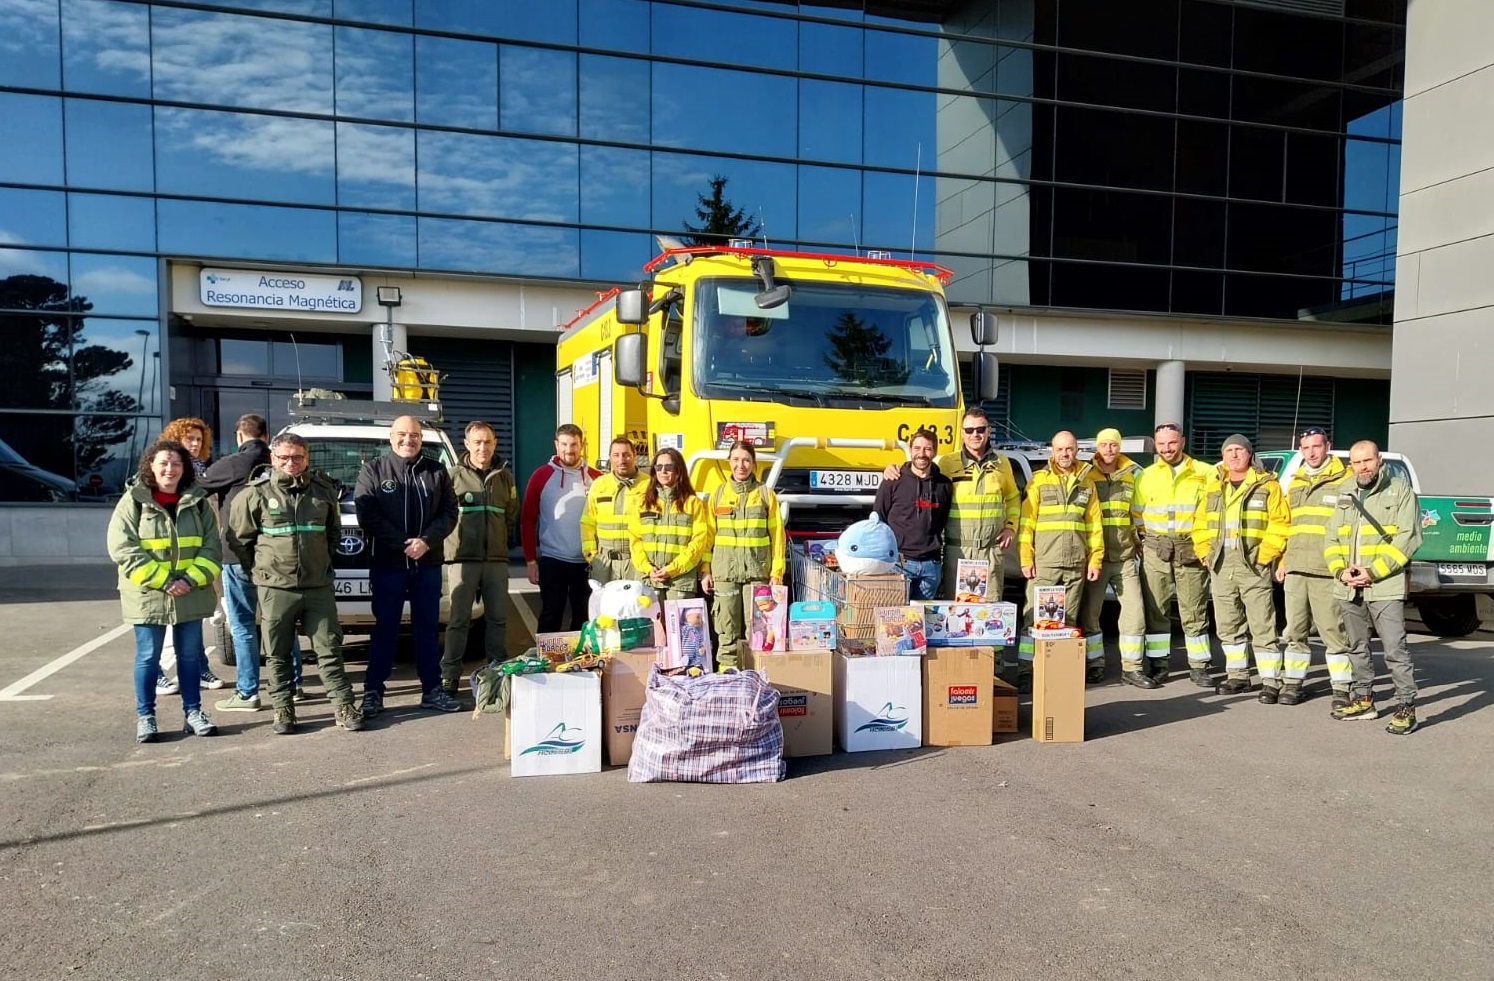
(261, 290)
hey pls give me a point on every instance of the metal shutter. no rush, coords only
(479, 384)
(1269, 409)
(1127, 388)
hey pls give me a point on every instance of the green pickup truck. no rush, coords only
(1456, 560)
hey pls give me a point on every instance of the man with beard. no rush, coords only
(604, 519)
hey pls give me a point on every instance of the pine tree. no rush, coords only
(858, 354)
(719, 221)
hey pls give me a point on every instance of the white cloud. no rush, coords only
(26, 25)
(112, 279)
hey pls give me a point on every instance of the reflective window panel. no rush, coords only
(375, 74)
(111, 221)
(239, 231)
(37, 159)
(110, 146)
(29, 43)
(249, 62)
(245, 155)
(106, 47)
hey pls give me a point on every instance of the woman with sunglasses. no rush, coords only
(669, 534)
(747, 549)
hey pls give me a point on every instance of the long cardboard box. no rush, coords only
(624, 685)
(957, 696)
(555, 724)
(878, 702)
(1058, 691)
(1003, 707)
(806, 697)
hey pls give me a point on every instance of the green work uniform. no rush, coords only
(477, 562)
(1308, 587)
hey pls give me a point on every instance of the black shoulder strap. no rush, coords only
(1369, 517)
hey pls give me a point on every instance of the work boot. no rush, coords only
(1139, 680)
(1359, 707)
(1024, 676)
(1094, 673)
(285, 721)
(1403, 723)
(1291, 694)
(1233, 686)
(1340, 700)
(1269, 695)
(1158, 668)
(450, 687)
(348, 716)
(1200, 676)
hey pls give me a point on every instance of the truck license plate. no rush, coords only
(352, 587)
(1462, 570)
(845, 480)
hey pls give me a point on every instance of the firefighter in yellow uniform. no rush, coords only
(604, 518)
(748, 550)
(1239, 530)
(1167, 495)
(1113, 476)
(1060, 542)
(985, 510)
(669, 534)
(1303, 573)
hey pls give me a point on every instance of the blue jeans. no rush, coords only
(923, 578)
(240, 600)
(391, 587)
(150, 638)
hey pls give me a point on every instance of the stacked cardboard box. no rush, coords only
(1058, 691)
(806, 701)
(1003, 707)
(957, 686)
(878, 702)
(624, 685)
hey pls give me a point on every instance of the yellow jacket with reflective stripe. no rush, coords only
(674, 540)
(150, 547)
(1254, 516)
(1116, 491)
(1061, 521)
(604, 519)
(1165, 501)
(746, 531)
(1352, 539)
(985, 501)
(1312, 500)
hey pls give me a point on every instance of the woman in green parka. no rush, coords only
(164, 538)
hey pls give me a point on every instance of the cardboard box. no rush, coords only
(811, 626)
(948, 624)
(1058, 691)
(624, 684)
(1003, 707)
(878, 703)
(555, 724)
(806, 697)
(957, 696)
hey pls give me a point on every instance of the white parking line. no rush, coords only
(13, 693)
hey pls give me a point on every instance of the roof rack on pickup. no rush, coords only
(311, 408)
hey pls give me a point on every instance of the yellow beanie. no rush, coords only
(1108, 435)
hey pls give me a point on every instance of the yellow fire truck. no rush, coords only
(826, 363)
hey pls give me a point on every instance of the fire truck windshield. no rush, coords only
(831, 343)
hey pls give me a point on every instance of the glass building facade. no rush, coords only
(1188, 157)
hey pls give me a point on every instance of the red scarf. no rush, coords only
(164, 499)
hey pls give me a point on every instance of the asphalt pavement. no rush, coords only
(1191, 836)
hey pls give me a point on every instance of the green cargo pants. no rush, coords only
(1123, 578)
(1183, 578)
(993, 556)
(1245, 617)
(465, 581)
(1073, 582)
(610, 564)
(315, 611)
(1310, 603)
(731, 612)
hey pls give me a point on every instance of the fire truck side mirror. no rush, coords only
(986, 375)
(631, 307)
(629, 358)
(983, 328)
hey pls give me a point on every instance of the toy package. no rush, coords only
(768, 628)
(900, 631)
(821, 550)
(811, 626)
(971, 577)
(689, 635)
(1048, 606)
(558, 647)
(969, 624)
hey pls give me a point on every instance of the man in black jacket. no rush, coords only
(225, 479)
(916, 507)
(406, 509)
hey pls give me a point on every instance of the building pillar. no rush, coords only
(1170, 376)
(383, 386)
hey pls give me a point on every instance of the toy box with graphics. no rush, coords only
(689, 635)
(768, 629)
(969, 624)
(900, 631)
(811, 626)
(971, 579)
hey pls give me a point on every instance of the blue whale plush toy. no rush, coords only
(867, 547)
